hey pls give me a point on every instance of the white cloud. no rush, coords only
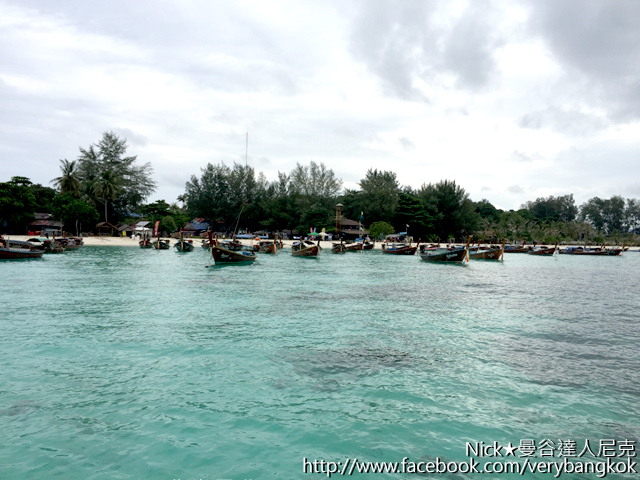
(510, 100)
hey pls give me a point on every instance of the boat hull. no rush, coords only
(444, 255)
(406, 250)
(223, 255)
(494, 254)
(306, 252)
(16, 254)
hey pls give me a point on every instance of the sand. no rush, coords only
(133, 242)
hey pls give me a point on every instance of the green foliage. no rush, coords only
(69, 181)
(379, 195)
(553, 208)
(17, 205)
(453, 214)
(376, 229)
(411, 211)
(107, 176)
(74, 213)
(168, 224)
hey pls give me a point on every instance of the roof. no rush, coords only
(142, 223)
(346, 221)
(46, 223)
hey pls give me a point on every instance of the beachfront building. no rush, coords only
(350, 229)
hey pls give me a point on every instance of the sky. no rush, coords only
(514, 100)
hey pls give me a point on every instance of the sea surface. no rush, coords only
(123, 363)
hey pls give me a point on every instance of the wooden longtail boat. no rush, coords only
(14, 249)
(338, 247)
(490, 253)
(444, 254)
(400, 248)
(222, 255)
(353, 246)
(543, 250)
(305, 249)
(184, 245)
(53, 246)
(602, 251)
(268, 246)
(516, 248)
(161, 244)
(145, 243)
(368, 245)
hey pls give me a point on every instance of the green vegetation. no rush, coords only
(103, 183)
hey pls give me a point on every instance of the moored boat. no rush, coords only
(488, 253)
(544, 250)
(305, 248)
(443, 254)
(222, 255)
(601, 251)
(145, 243)
(14, 250)
(517, 248)
(399, 248)
(161, 244)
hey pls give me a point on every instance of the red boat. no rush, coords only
(399, 248)
(543, 250)
(490, 253)
(305, 249)
(14, 249)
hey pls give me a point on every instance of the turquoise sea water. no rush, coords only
(123, 363)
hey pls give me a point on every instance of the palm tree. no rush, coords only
(106, 187)
(68, 182)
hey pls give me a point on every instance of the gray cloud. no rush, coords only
(404, 42)
(598, 45)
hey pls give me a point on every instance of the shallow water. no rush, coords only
(123, 363)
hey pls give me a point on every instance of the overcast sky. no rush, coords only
(514, 100)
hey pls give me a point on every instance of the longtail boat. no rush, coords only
(161, 244)
(490, 253)
(338, 247)
(268, 246)
(305, 249)
(446, 254)
(145, 243)
(14, 249)
(399, 248)
(544, 250)
(516, 248)
(601, 251)
(222, 255)
(184, 245)
(353, 246)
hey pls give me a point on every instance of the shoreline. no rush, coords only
(133, 242)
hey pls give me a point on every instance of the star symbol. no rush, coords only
(510, 450)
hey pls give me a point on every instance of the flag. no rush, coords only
(361, 215)
(155, 229)
(407, 226)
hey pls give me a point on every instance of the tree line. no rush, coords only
(106, 184)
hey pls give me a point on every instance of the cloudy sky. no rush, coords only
(514, 100)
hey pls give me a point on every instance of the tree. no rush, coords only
(553, 208)
(379, 195)
(73, 212)
(605, 215)
(133, 182)
(69, 181)
(106, 187)
(380, 229)
(410, 211)
(17, 204)
(453, 212)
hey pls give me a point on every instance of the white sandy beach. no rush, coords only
(133, 242)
